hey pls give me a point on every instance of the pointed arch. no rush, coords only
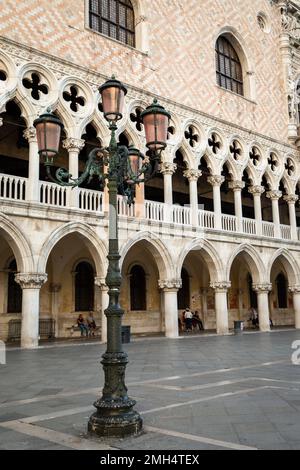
(290, 264)
(253, 260)
(18, 243)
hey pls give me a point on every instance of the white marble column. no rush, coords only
(31, 284)
(237, 187)
(54, 289)
(221, 306)
(100, 282)
(170, 291)
(33, 190)
(216, 182)
(193, 176)
(257, 191)
(168, 169)
(262, 291)
(291, 199)
(295, 290)
(275, 196)
(74, 146)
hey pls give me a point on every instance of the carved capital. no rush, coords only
(291, 198)
(100, 282)
(167, 168)
(294, 289)
(274, 195)
(172, 284)
(236, 185)
(192, 175)
(216, 180)
(73, 145)
(31, 280)
(30, 134)
(256, 190)
(262, 288)
(220, 287)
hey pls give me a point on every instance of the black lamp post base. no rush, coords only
(120, 420)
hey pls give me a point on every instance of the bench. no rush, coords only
(74, 330)
(46, 329)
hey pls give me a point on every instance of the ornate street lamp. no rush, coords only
(127, 167)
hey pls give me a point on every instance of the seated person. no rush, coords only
(91, 323)
(82, 325)
(197, 322)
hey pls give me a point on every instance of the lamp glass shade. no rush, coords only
(48, 138)
(134, 156)
(156, 123)
(113, 92)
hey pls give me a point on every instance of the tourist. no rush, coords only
(82, 325)
(188, 319)
(91, 324)
(197, 322)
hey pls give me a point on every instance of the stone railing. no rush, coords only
(52, 194)
(13, 187)
(229, 223)
(206, 219)
(268, 229)
(155, 211)
(181, 215)
(90, 200)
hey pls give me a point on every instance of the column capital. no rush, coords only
(220, 287)
(167, 168)
(256, 190)
(236, 185)
(30, 134)
(294, 289)
(274, 195)
(216, 180)
(73, 145)
(291, 198)
(192, 175)
(262, 288)
(100, 282)
(31, 280)
(170, 285)
(54, 288)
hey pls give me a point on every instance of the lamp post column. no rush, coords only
(257, 191)
(32, 193)
(216, 182)
(115, 415)
(221, 306)
(275, 196)
(262, 291)
(193, 176)
(168, 169)
(291, 199)
(31, 284)
(170, 290)
(73, 146)
(100, 282)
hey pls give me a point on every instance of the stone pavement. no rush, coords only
(232, 392)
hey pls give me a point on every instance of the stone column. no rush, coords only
(291, 199)
(237, 187)
(31, 284)
(33, 190)
(54, 289)
(74, 146)
(168, 169)
(216, 182)
(295, 290)
(204, 292)
(100, 282)
(193, 176)
(275, 196)
(262, 291)
(221, 306)
(257, 191)
(170, 290)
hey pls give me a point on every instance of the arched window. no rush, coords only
(282, 291)
(252, 294)
(228, 67)
(184, 293)
(14, 291)
(84, 287)
(137, 289)
(114, 18)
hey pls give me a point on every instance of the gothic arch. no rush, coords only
(18, 243)
(254, 261)
(289, 263)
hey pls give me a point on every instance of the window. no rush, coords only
(84, 287)
(281, 291)
(14, 291)
(184, 292)
(137, 289)
(114, 18)
(228, 67)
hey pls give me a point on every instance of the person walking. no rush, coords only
(188, 320)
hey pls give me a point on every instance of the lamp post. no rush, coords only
(127, 167)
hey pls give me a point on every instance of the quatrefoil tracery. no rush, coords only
(171, 132)
(191, 136)
(3, 76)
(136, 118)
(235, 150)
(36, 86)
(74, 98)
(255, 156)
(215, 143)
(290, 167)
(273, 161)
